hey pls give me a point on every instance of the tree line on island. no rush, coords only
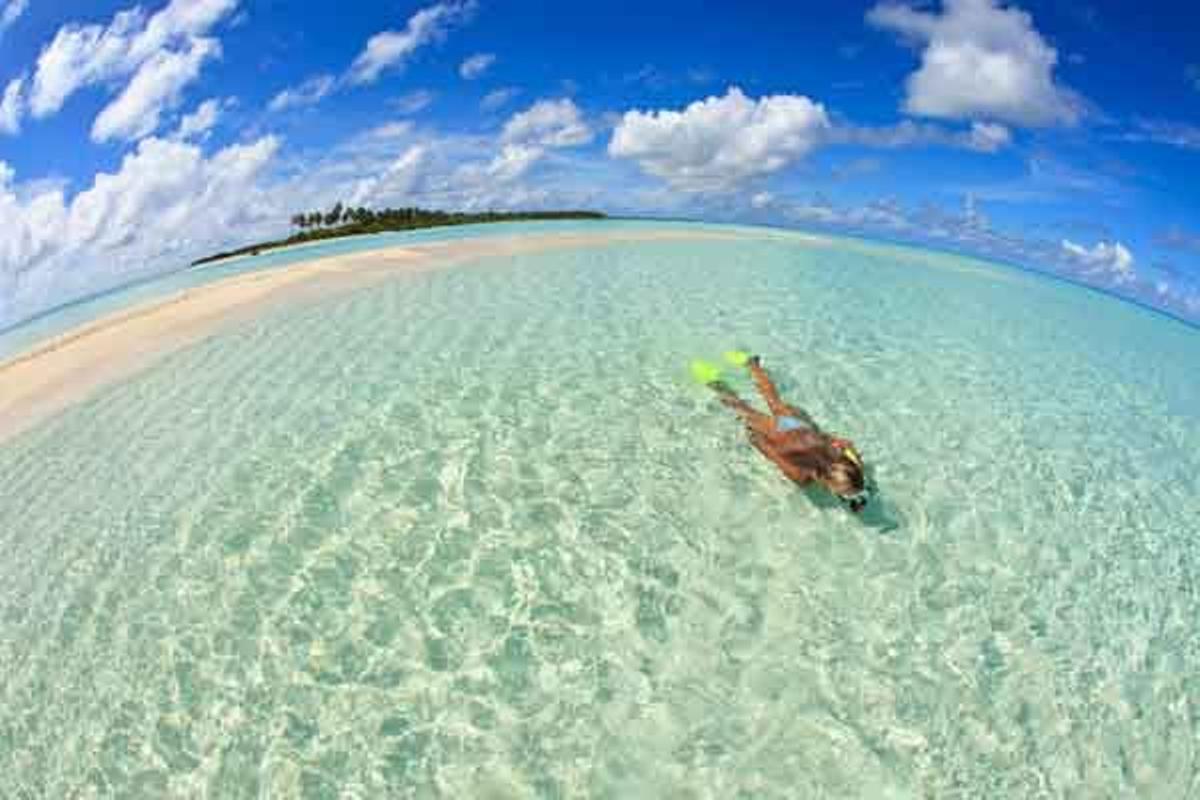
(343, 220)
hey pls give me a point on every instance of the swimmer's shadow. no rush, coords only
(876, 515)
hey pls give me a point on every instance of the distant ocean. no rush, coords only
(474, 533)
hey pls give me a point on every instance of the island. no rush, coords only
(342, 221)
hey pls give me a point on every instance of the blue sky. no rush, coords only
(1064, 137)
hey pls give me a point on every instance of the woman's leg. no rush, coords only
(766, 388)
(755, 420)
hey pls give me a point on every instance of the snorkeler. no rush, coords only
(790, 438)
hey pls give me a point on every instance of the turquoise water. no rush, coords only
(474, 534)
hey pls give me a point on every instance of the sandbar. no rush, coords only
(72, 367)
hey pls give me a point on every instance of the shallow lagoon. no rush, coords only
(473, 533)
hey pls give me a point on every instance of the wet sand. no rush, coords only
(72, 367)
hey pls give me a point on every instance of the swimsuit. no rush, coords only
(787, 423)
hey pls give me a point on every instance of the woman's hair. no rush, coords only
(843, 476)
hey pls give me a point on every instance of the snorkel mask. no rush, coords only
(855, 502)
(858, 501)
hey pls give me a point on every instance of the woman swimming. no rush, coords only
(790, 438)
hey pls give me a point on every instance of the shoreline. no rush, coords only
(73, 366)
(350, 222)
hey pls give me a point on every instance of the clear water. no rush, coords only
(474, 534)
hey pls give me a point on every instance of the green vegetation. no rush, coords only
(342, 221)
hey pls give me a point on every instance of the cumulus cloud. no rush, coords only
(166, 203)
(476, 65)
(199, 123)
(1104, 259)
(170, 201)
(13, 9)
(157, 85)
(718, 144)
(392, 49)
(80, 56)
(309, 93)
(163, 53)
(498, 98)
(980, 60)
(524, 141)
(548, 123)
(12, 104)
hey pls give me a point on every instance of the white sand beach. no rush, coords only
(73, 366)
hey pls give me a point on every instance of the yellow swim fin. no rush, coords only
(738, 358)
(705, 372)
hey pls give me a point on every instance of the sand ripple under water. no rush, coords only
(471, 533)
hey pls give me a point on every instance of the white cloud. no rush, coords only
(400, 178)
(308, 93)
(85, 55)
(498, 98)
(988, 137)
(165, 204)
(81, 56)
(762, 200)
(12, 105)
(169, 201)
(157, 85)
(391, 49)
(525, 140)
(179, 21)
(383, 51)
(981, 60)
(391, 130)
(877, 215)
(476, 65)
(984, 137)
(413, 102)
(162, 53)
(1171, 134)
(548, 123)
(1110, 260)
(12, 11)
(199, 123)
(498, 182)
(1109, 265)
(717, 144)
(513, 161)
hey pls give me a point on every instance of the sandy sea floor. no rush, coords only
(372, 528)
